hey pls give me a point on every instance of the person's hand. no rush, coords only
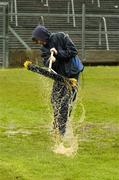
(73, 82)
(54, 51)
(27, 63)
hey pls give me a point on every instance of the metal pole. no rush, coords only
(46, 4)
(42, 20)
(5, 36)
(19, 39)
(73, 13)
(68, 10)
(7, 24)
(15, 9)
(98, 1)
(83, 31)
(4, 42)
(106, 34)
(100, 32)
(11, 10)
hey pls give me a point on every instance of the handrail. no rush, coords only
(106, 33)
(4, 36)
(19, 38)
(73, 12)
(14, 8)
(42, 19)
(47, 3)
(64, 15)
(11, 10)
(78, 15)
(68, 11)
(98, 2)
(83, 31)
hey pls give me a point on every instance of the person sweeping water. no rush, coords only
(60, 55)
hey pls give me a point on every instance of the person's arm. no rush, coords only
(69, 49)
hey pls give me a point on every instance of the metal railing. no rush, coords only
(70, 4)
(84, 15)
(46, 3)
(4, 36)
(13, 9)
(19, 38)
(82, 31)
(106, 32)
(100, 27)
(98, 3)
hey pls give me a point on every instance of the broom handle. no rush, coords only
(50, 63)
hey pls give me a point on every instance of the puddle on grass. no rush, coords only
(19, 131)
(26, 131)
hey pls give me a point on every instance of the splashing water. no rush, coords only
(67, 145)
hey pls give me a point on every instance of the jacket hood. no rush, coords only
(41, 33)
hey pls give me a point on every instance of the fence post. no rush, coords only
(5, 35)
(106, 33)
(73, 13)
(100, 32)
(83, 31)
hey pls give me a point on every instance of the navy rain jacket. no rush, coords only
(64, 46)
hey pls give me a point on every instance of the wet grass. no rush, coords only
(25, 125)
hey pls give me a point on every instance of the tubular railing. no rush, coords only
(106, 32)
(82, 31)
(98, 3)
(19, 38)
(13, 9)
(71, 3)
(100, 28)
(46, 2)
(4, 34)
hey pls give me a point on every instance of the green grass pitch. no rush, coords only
(25, 125)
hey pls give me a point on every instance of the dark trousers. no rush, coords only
(61, 98)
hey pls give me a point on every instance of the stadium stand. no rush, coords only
(60, 23)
